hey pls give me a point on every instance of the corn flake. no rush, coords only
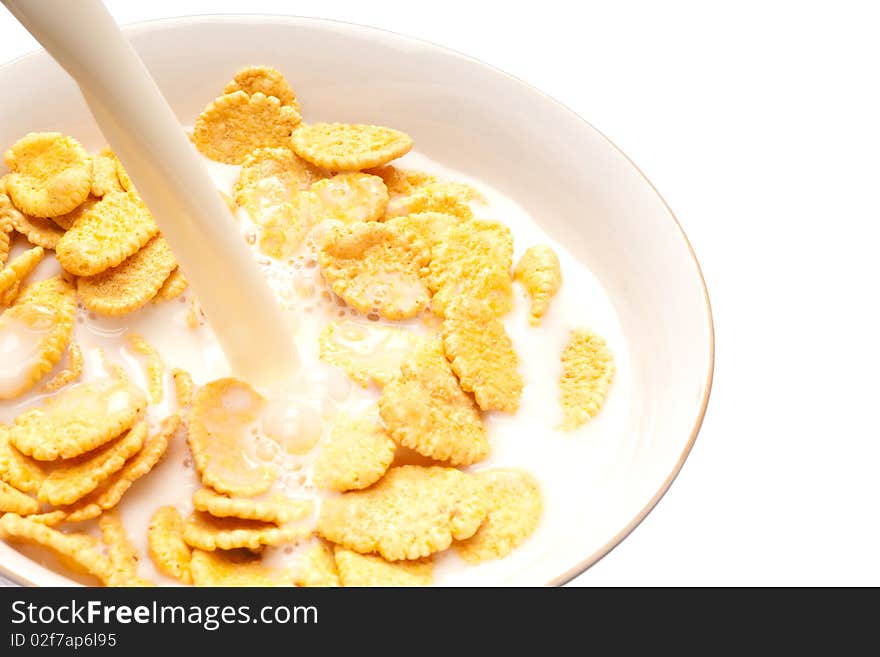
(447, 198)
(265, 80)
(51, 174)
(270, 177)
(155, 366)
(285, 226)
(78, 420)
(16, 272)
(66, 221)
(130, 285)
(39, 232)
(353, 196)
(354, 455)
(183, 387)
(108, 495)
(473, 261)
(46, 310)
(278, 509)
(111, 231)
(317, 567)
(13, 500)
(173, 287)
(482, 356)
(121, 553)
(234, 568)
(205, 532)
(427, 411)
(369, 570)
(219, 428)
(513, 498)
(366, 353)
(375, 267)
(5, 238)
(78, 549)
(410, 513)
(539, 271)
(77, 477)
(16, 469)
(235, 124)
(105, 178)
(349, 146)
(169, 551)
(400, 182)
(587, 374)
(71, 373)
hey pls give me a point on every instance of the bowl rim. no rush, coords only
(597, 555)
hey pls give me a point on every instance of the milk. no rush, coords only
(529, 439)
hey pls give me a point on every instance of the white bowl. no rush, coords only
(582, 190)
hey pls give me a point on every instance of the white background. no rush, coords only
(758, 122)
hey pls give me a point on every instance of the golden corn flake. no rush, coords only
(366, 353)
(66, 221)
(78, 420)
(173, 287)
(349, 146)
(399, 181)
(104, 173)
(473, 261)
(131, 285)
(410, 513)
(375, 267)
(278, 509)
(317, 567)
(427, 411)
(235, 124)
(121, 553)
(349, 197)
(108, 495)
(75, 478)
(42, 319)
(587, 374)
(539, 271)
(183, 387)
(205, 532)
(234, 568)
(78, 549)
(169, 551)
(5, 237)
(114, 229)
(51, 174)
(355, 454)
(285, 226)
(428, 229)
(155, 366)
(369, 570)
(71, 373)
(270, 177)
(513, 498)
(265, 80)
(39, 232)
(447, 198)
(482, 356)
(16, 469)
(221, 418)
(13, 500)
(16, 272)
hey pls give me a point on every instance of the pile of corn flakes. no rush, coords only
(393, 243)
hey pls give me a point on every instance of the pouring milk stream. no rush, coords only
(141, 128)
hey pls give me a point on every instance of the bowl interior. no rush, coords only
(464, 114)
